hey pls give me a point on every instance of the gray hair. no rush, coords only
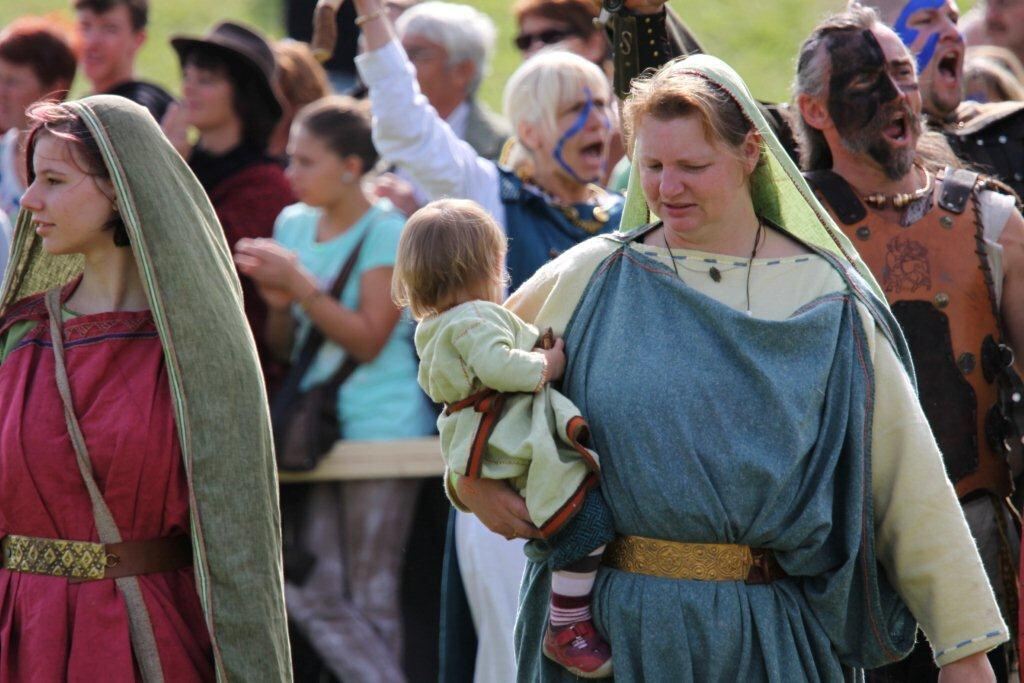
(465, 33)
(813, 68)
(888, 10)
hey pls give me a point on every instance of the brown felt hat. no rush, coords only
(242, 44)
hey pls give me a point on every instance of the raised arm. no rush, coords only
(644, 36)
(407, 131)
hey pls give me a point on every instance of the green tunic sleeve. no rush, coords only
(9, 340)
(489, 349)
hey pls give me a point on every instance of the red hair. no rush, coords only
(578, 15)
(47, 45)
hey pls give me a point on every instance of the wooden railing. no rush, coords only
(375, 460)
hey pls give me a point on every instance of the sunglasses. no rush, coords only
(524, 41)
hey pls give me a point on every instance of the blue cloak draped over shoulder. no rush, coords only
(718, 427)
(538, 231)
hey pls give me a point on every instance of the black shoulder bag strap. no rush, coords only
(315, 339)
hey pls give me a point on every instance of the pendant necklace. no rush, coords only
(713, 272)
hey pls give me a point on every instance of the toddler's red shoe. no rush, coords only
(580, 649)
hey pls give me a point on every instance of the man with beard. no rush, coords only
(949, 254)
(999, 23)
(989, 136)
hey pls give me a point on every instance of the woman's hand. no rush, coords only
(276, 270)
(501, 509)
(175, 126)
(972, 669)
(275, 298)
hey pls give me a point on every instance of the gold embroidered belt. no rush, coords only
(694, 561)
(85, 561)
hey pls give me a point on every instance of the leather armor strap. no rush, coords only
(139, 625)
(844, 202)
(957, 186)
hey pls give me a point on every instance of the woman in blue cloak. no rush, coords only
(774, 502)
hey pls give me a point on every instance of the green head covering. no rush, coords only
(219, 397)
(779, 191)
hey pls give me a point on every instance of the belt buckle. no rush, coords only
(81, 560)
(761, 567)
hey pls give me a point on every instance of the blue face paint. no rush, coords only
(909, 35)
(575, 129)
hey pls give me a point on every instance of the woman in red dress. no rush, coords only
(140, 537)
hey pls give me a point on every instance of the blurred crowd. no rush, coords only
(313, 168)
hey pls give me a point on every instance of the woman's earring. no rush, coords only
(347, 178)
(117, 209)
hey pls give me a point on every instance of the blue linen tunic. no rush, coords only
(718, 427)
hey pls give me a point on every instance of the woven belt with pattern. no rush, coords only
(695, 561)
(84, 561)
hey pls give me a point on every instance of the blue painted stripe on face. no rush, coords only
(575, 129)
(909, 35)
(924, 57)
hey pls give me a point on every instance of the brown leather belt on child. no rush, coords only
(489, 403)
(694, 561)
(85, 561)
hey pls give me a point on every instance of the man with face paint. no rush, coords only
(948, 252)
(990, 135)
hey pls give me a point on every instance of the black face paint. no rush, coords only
(860, 84)
(863, 100)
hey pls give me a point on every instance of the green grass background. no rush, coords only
(758, 37)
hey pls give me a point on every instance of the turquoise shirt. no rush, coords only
(381, 400)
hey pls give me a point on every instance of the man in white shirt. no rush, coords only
(451, 46)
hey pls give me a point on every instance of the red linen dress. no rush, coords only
(50, 629)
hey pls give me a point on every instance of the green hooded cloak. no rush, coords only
(218, 394)
(777, 187)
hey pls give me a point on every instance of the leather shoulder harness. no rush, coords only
(936, 277)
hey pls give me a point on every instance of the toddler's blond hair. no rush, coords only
(449, 246)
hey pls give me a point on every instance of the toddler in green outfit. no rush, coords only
(501, 419)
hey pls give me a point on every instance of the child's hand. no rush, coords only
(556, 359)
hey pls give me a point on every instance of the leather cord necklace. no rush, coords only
(714, 273)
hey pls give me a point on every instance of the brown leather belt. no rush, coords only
(84, 561)
(693, 561)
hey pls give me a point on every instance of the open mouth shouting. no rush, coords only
(897, 131)
(949, 67)
(593, 153)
